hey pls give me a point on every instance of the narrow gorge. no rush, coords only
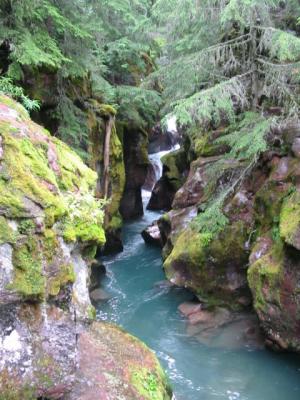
(150, 200)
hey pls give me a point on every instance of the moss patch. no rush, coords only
(39, 174)
(265, 276)
(290, 220)
(148, 384)
(65, 276)
(7, 235)
(27, 260)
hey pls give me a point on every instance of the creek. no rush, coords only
(150, 311)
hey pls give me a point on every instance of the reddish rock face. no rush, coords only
(71, 361)
(189, 308)
(263, 222)
(192, 191)
(274, 280)
(225, 329)
(112, 365)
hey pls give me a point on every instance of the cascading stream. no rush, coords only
(142, 303)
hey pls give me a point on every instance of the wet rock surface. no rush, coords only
(222, 328)
(173, 175)
(136, 167)
(152, 235)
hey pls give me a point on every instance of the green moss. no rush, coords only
(189, 246)
(9, 102)
(7, 235)
(91, 313)
(268, 202)
(27, 260)
(12, 391)
(117, 179)
(74, 173)
(200, 261)
(65, 276)
(36, 156)
(267, 273)
(150, 384)
(174, 166)
(26, 227)
(90, 252)
(50, 244)
(115, 223)
(32, 185)
(203, 147)
(290, 220)
(107, 110)
(83, 231)
(28, 171)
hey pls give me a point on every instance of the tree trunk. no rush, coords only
(255, 86)
(106, 152)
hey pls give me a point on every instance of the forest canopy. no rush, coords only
(207, 64)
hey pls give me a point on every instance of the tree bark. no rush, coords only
(106, 152)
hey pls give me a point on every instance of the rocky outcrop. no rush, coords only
(160, 140)
(273, 274)
(255, 255)
(115, 365)
(174, 169)
(51, 225)
(135, 142)
(152, 235)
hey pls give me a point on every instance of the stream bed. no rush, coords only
(196, 371)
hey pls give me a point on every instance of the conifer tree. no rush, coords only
(233, 61)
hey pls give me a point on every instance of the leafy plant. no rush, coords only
(7, 87)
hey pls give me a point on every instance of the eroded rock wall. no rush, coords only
(51, 225)
(254, 258)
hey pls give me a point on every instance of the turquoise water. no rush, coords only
(197, 372)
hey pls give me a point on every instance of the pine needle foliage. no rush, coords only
(98, 40)
(247, 139)
(242, 51)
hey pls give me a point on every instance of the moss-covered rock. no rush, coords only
(98, 115)
(131, 371)
(289, 223)
(46, 198)
(214, 269)
(135, 144)
(273, 279)
(174, 169)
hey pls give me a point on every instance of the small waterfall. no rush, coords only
(155, 160)
(155, 170)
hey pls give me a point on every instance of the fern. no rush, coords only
(213, 105)
(138, 106)
(212, 220)
(7, 87)
(248, 139)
